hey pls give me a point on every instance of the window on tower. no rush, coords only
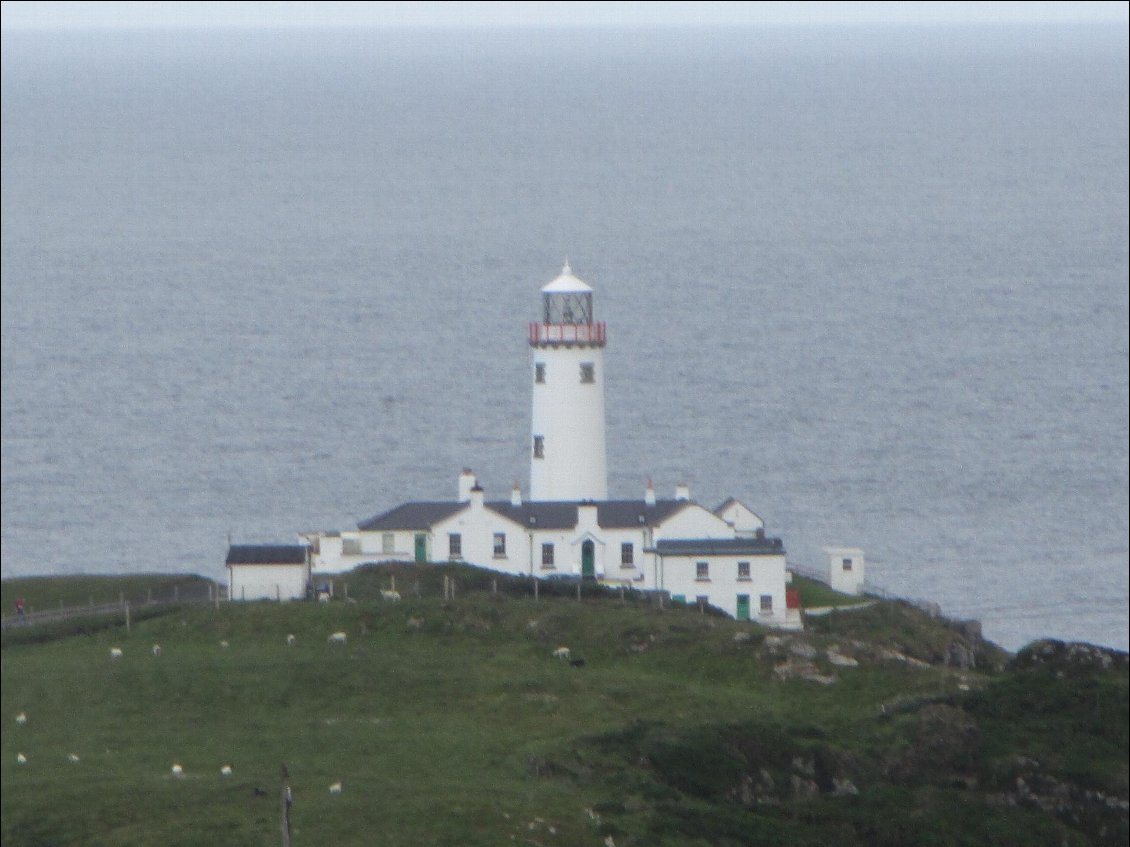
(539, 372)
(588, 372)
(539, 446)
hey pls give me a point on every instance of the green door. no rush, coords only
(588, 561)
(743, 607)
(421, 547)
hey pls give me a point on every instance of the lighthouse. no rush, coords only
(567, 452)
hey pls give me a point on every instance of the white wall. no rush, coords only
(569, 415)
(268, 582)
(842, 577)
(767, 577)
(477, 525)
(744, 521)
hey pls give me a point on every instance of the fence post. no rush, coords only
(536, 581)
(287, 799)
(149, 595)
(127, 618)
(176, 593)
(393, 581)
(578, 592)
(345, 590)
(494, 586)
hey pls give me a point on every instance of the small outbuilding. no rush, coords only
(268, 571)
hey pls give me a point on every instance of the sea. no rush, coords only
(870, 281)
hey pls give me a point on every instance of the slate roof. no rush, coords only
(412, 516)
(610, 514)
(719, 547)
(267, 554)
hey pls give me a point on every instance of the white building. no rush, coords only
(268, 572)
(569, 526)
(845, 569)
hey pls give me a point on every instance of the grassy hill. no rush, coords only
(451, 723)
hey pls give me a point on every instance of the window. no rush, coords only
(702, 601)
(454, 545)
(766, 604)
(847, 564)
(702, 570)
(388, 542)
(547, 556)
(588, 372)
(351, 546)
(743, 570)
(500, 545)
(539, 372)
(539, 446)
(627, 554)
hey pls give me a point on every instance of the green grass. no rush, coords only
(463, 730)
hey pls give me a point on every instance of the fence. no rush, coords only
(123, 606)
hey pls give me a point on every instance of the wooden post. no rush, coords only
(536, 581)
(92, 601)
(121, 598)
(345, 590)
(393, 578)
(149, 595)
(176, 593)
(127, 618)
(578, 590)
(494, 586)
(286, 801)
(278, 593)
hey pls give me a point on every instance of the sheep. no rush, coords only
(337, 638)
(115, 652)
(21, 759)
(336, 788)
(224, 645)
(73, 758)
(225, 770)
(21, 718)
(577, 663)
(391, 596)
(177, 771)
(156, 649)
(291, 641)
(561, 653)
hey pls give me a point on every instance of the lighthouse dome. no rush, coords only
(566, 283)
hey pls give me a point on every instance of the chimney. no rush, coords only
(649, 493)
(682, 491)
(477, 496)
(516, 495)
(466, 483)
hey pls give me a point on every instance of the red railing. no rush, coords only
(567, 334)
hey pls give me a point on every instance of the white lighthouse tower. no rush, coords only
(568, 460)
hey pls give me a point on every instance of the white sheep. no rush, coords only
(223, 645)
(391, 596)
(177, 770)
(21, 718)
(73, 758)
(337, 638)
(156, 649)
(225, 770)
(562, 653)
(291, 640)
(115, 652)
(336, 788)
(21, 759)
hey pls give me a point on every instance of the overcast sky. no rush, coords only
(21, 14)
